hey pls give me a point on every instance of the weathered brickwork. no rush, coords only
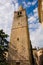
(19, 47)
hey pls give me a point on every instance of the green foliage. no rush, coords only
(3, 63)
(3, 45)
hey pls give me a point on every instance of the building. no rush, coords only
(40, 11)
(20, 47)
(40, 56)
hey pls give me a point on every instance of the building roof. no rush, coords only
(40, 49)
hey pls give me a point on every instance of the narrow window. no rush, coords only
(17, 63)
(20, 13)
(18, 23)
(17, 39)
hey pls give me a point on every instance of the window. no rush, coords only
(17, 39)
(18, 23)
(19, 13)
(17, 63)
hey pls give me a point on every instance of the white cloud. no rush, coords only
(37, 35)
(7, 9)
(35, 10)
(15, 4)
(31, 19)
(34, 2)
(26, 4)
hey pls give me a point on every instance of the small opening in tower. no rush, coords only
(17, 63)
(20, 12)
(18, 23)
(17, 39)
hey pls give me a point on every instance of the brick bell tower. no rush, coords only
(40, 11)
(20, 47)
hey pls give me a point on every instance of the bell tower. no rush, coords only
(20, 47)
(40, 11)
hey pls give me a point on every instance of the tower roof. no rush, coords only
(20, 8)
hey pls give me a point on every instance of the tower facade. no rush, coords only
(40, 11)
(20, 47)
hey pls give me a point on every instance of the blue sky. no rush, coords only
(7, 8)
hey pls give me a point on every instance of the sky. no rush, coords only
(7, 8)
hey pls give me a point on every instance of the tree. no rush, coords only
(3, 45)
